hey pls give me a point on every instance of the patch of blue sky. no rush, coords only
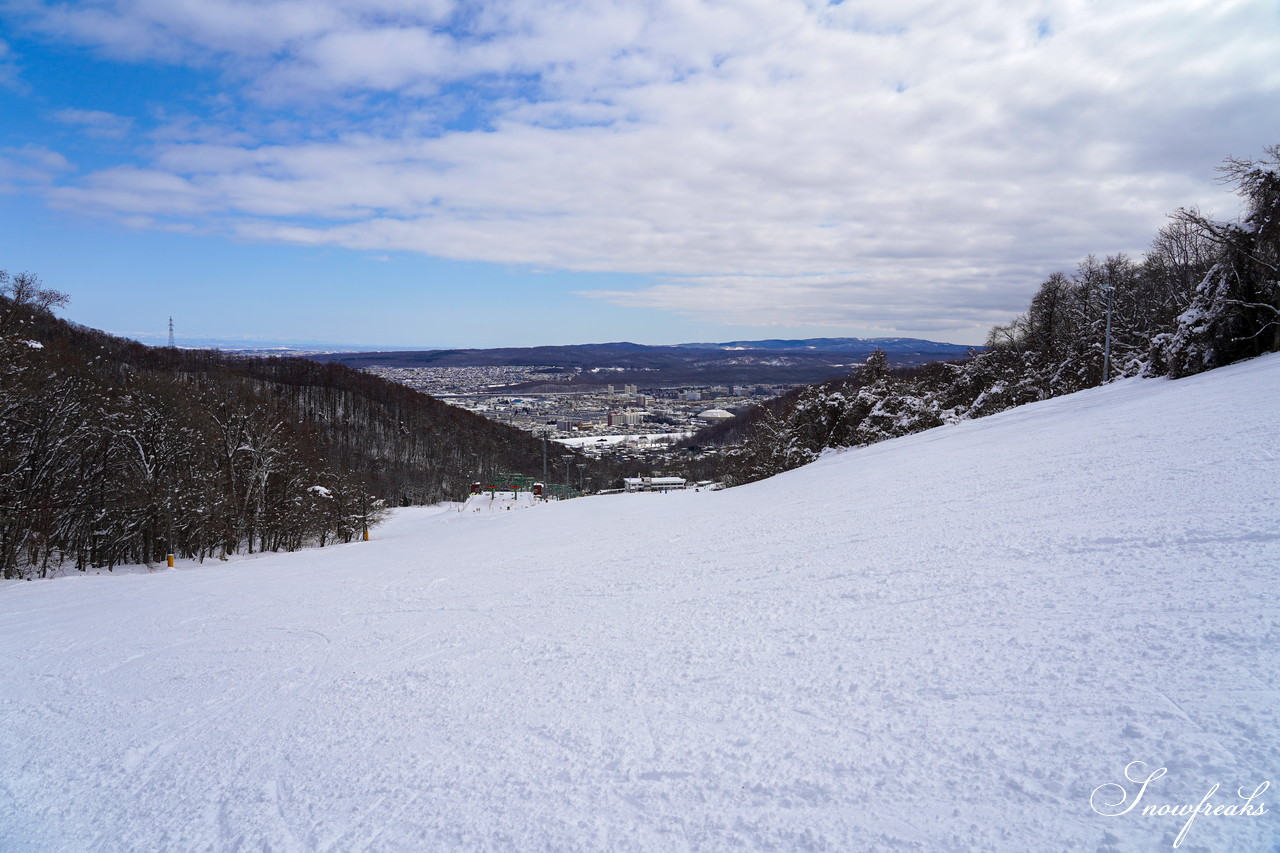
(97, 113)
(57, 76)
(479, 102)
(130, 281)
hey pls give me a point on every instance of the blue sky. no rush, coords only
(437, 173)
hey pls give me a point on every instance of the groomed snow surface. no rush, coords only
(946, 642)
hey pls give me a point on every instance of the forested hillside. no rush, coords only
(112, 452)
(1206, 294)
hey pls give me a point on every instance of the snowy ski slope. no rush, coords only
(498, 502)
(946, 642)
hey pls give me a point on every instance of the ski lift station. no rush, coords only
(653, 484)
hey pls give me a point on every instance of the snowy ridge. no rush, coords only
(947, 641)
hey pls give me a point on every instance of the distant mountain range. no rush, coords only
(737, 362)
(840, 345)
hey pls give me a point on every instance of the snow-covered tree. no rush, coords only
(1235, 310)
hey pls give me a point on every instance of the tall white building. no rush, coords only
(625, 418)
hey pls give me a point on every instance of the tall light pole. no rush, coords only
(544, 432)
(1110, 291)
(568, 457)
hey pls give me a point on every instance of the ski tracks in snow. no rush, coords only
(943, 642)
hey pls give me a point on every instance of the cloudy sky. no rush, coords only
(432, 172)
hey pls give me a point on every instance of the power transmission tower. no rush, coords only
(171, 344)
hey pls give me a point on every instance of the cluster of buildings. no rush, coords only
(582, 413)
(446, 382)
(620, 421)
(609, 410)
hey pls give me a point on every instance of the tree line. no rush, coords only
(1206, 294)
(115, 453)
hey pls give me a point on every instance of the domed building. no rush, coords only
(713, 416)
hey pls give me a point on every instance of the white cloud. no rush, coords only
(30, 166)
(9, 72)
(908, 166)
(96, 123)
(196, 30)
